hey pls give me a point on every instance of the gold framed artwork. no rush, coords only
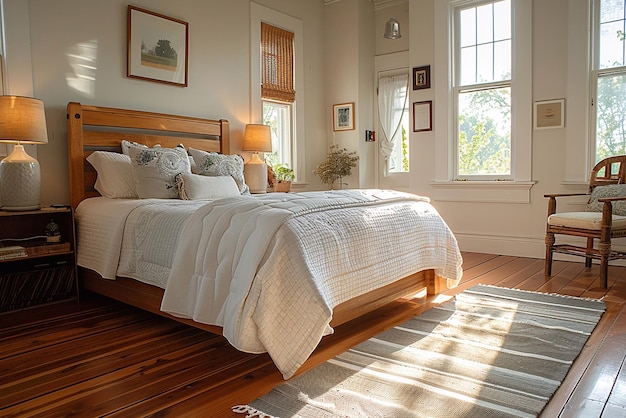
(343, 117)
(157, 47)
(549, 114)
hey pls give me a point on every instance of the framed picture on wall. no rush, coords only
(421, 77)
(157, 47)
(343, 117)
(423, 116)
(550, 114)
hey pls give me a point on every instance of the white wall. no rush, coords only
(508, 228)
(78, 53)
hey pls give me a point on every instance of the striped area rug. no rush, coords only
(489, 352)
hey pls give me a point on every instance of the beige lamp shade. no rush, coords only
(257, 138)
(22, 120)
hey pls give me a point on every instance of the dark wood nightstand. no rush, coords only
(33, 270)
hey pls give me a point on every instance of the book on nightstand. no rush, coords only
(12, 251)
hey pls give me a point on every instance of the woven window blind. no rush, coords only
(277, 62)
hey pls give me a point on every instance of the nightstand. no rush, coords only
(36, 269)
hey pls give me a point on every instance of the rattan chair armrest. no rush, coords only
(565, 194)
(611, 199)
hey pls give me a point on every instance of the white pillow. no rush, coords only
(155, 170)
(127, 144)
(197, 187)
(115, 175)
(215, 164)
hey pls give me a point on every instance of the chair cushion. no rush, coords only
(585, 220)
(610, 190)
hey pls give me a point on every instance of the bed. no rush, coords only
(248, 238)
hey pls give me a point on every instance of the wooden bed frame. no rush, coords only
(92, 128)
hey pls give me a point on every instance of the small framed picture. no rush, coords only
(343, 117)
(421, 77)
(550, 114)
(157, 47)
(423, 116)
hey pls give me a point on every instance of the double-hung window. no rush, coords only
(277, 91)
(483, 100)
(482, 92)
(608, 78)
(277, 84)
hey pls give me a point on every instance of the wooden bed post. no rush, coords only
(76, 160)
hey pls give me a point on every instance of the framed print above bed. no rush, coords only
(157, 47)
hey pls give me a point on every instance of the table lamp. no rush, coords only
(256, 138)
(22, 121)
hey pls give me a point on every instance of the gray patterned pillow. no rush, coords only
(215, 164)
(155, 170)
(611, 190)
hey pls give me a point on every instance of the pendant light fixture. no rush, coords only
(392, 29)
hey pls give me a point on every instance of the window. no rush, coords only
(483, 90)
(394, 118)
(277, 91)
(452, 92)
(284, 114)
(608, 110)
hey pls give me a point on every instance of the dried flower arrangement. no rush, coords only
(338, 164)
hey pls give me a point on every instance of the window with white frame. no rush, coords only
(277, 91)
(393, 113)
(608, 78)
(482, 90)
(272, 101)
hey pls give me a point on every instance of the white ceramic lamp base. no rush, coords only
(255, 174)
(20, 181)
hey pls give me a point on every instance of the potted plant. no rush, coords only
(338, 164)
(283, 176)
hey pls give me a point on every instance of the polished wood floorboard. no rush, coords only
(101, 358)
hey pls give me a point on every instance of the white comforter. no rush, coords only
(269, 268)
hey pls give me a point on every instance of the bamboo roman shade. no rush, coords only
(277, 62)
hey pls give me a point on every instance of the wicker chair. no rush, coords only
(604, 218)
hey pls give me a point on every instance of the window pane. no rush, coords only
(484, 132)
(611, 10)
(468, 27)
(611, 116)
(611, 47)
(502, 20)
(468, 65)
(485, 63)
(484, 24)
(502, 61)
(399, 158)
(278, 116)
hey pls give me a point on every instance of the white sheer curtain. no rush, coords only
(392, 97)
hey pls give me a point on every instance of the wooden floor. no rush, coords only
(105, 359)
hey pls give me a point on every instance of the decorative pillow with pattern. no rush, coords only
(155, 170)
(611, 190)
(215, 164)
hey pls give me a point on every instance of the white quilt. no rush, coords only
(269, 269)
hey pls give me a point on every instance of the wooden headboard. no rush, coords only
(92, 128)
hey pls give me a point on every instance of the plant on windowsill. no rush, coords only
(283, 176)
(338, 164)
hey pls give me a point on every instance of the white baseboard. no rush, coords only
(517, 247)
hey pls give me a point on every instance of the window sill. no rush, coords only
(482, 191)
